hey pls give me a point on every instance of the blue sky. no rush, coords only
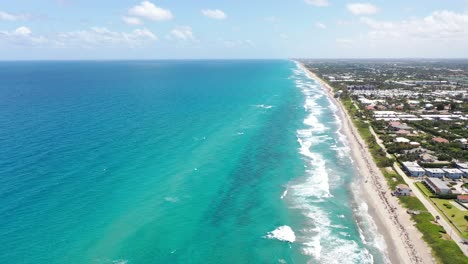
(203, 29)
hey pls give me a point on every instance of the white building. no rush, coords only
(437, 186)
(413, 169)
(401, 140)
(453, 173)
(436, 173)
(465, 172)
(463, 165)
(402, 190)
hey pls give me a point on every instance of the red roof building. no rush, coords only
(440, 140)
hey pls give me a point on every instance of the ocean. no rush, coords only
(128, 162)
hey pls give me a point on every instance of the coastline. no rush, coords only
(404, 241)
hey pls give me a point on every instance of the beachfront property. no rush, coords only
(402, 190)
(465, 172)
(437, 186)
(453, 173)
(413, 169)
(461, 165)
(435, 173)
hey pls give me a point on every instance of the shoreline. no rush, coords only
(404, 242)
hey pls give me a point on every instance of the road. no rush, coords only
(430, 207)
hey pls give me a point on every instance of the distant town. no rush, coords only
(413, 114)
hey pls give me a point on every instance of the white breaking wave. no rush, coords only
(325, 241)
(282, 233)
(264, 106)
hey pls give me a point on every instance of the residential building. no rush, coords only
(435, 173)
(395, 125)
(462, 198)
(461, 165)
(440, 140)
(453, 173)
(465, 172)
(437, 186)
(402, 190)
(413, 169)
(401, 140)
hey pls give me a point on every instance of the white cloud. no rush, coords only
(362, 8)
(320, 25)
(148, 10)
(23, 31)
(318, 2)
(132, 20)
(22, 36)
(183, 33)
(11, 17)
(101, 36)
(439, 26)
(271, 19)
(238, 43)
(214, 13)
(344, 41)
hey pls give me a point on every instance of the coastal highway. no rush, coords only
(430, 207)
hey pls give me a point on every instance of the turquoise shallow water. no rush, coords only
(174, 162)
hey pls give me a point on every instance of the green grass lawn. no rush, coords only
(454, 215)
(424, 189)
(446, 251)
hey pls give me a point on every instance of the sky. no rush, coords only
(232, 29)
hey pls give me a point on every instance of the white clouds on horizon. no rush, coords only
(238, 43)
(93, 37)
(439, 25)
(214, 14)
(319, 3)
(22, 36)
(183, 33)
(5, 16)
(132, 20)
(150, 11)
(320, 25)
(362, 8)
(101, 36)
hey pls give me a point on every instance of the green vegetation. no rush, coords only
(393, 178)
(444, 249)
(424, 189)
(452, 214)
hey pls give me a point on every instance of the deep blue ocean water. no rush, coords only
(175, 162)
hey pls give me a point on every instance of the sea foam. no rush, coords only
(282, 233)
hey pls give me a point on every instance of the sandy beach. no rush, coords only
(404, 241)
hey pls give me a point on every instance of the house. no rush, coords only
(453, 173)
(435, 173)
(463, 165)
(413, 169)
(440, 140)
(401, 140)
(437, 186)
(462, 198)
(465, 172)
(395, 125)
(402, 190)
(426, 157)
(403, 132)
(370, 107)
